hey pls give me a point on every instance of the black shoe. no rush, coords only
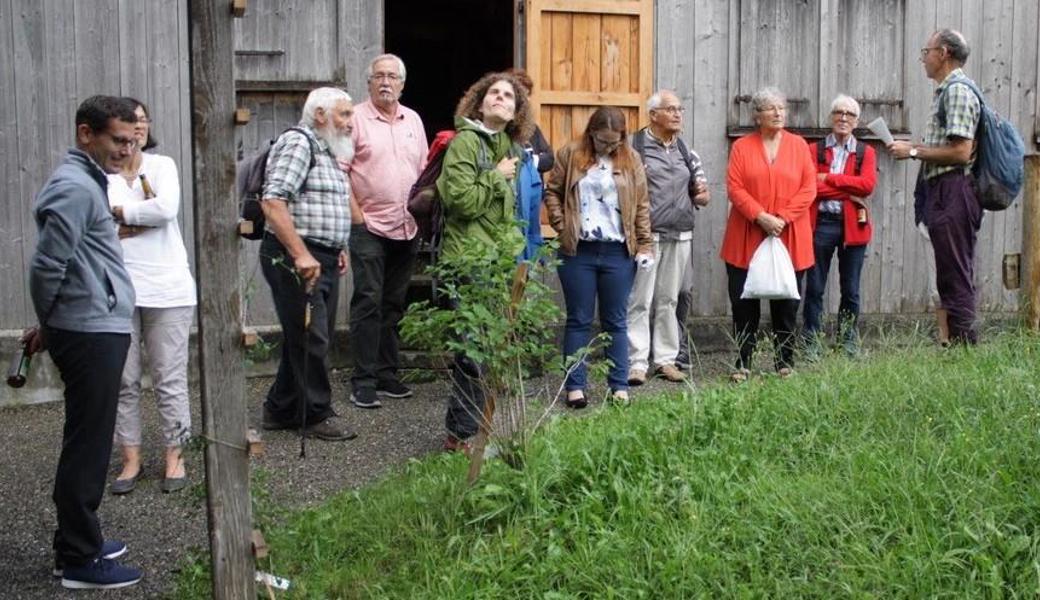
(365, 398)
(270, 423)
(124, 486)
(393, 389)
(331, 430)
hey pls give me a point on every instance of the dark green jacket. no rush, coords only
(477, 199)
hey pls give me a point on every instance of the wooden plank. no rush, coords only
(221, 368)
(1031, 244)
(616, 59)
(359, 40)
(603, 7)
(97, 50)
(17, 235)
(905, 284)
(576, 97)
(643, 80)
(708, 86)
(132, 29)
(182, 76)
(558, 46)
(585, 49)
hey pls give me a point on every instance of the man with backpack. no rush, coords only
(306, 205)
(951, 211)
(677, 186)
(390, 153)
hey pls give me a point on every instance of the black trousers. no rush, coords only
(91, 365)
(382, 270)
(746, 315)
(296, 388)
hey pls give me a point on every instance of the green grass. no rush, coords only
(910, 474)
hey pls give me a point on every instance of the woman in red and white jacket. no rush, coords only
(846, 173)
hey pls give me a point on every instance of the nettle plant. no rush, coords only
(498, 313)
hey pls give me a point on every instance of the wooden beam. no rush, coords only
(606, 7)
(221, 357)
(1030, 301)
(571, 98)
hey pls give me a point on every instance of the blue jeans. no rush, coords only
(602, 271)
(827, 238)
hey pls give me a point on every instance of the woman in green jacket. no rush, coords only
(477, 187)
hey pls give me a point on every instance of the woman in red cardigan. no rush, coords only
(846, 173)
(771, 181)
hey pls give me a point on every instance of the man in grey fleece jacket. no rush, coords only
(84, 300)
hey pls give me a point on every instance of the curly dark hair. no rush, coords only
(522, 125)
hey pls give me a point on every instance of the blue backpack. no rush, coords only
(1000, 154)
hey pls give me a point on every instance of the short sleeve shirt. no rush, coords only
(962, 119)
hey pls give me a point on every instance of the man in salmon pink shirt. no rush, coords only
(390, 153)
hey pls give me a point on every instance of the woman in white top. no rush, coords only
(597, 202)
(145, 199)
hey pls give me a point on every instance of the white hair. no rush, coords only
(767, 95)
(382, 57)
(655, 101)
(843, 100)
(324, 98)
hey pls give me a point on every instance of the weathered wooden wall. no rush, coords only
(54, 53)
(714, 52)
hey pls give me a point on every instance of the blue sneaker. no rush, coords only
(109, 549)
(100, 574)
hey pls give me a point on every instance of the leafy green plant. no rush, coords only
(499, 315)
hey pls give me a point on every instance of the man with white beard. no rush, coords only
(391, 153)
(306, 202)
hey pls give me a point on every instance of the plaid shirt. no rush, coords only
(318, 198)
(839, 156)
(962, 117)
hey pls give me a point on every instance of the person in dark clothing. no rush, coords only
(84, 299)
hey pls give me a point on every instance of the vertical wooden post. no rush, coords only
(1031, 244)
(221, 368)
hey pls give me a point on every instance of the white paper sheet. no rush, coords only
(879, 128)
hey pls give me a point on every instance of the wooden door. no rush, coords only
(583, 54)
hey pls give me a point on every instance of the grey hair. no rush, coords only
(843, 100)
(955, 44)
(400, 65)
(767, 95)
(324, 98)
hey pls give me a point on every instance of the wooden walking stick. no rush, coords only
(476, 456)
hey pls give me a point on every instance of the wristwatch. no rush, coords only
(913, 153)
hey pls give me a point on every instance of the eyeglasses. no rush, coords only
(122, 142)
(672, 110)
(391, 77)
(925, 51)
(847, 114)
(143, 120)
(608, 144)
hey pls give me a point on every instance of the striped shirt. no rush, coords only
(962, 117)
(839, 156)
(318, 199)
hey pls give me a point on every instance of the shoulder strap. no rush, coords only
(639, 143)
(941, 112)
(821, 151)
(861, 152)
(685, 155)
(310, 142)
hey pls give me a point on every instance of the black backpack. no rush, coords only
(251, 174)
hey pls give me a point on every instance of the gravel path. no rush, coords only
(162, 529)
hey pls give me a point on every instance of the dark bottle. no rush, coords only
(19, 369)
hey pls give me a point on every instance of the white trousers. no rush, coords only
(654, 294)
(163, 333)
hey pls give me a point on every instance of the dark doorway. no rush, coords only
(446, 46)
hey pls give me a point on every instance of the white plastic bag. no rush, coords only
(771, 274)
